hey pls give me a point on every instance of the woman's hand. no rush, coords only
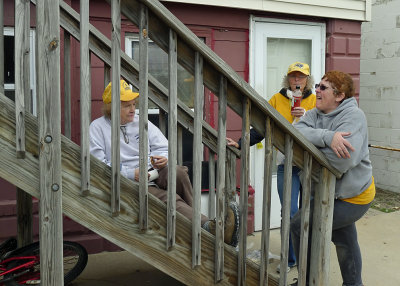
(340, 145)
(298, 112)
(158, 162)
(231, 142)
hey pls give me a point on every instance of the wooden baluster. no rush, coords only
(285, 224)
(143, 118)
(244, 183)
(85, 96)
(172, 138)
(305, 218)
(197, 159)
(21, 73)
(230, 178)
(67, 84)
(115, 106)
(49, 135)
(324, 197)
(266, 208)
(211, 185)
(220, 200)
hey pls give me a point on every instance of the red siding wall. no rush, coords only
(226, 31)
(343, 48)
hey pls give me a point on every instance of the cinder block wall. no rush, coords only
(380, 89)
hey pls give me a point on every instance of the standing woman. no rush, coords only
(298, 75)
(335, 126)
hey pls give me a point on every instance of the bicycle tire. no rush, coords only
(74, 255)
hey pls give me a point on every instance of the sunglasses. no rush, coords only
(321, 86)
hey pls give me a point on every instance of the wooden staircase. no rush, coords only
(93, 205)
(93, 210)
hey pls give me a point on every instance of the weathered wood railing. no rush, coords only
(183, 47)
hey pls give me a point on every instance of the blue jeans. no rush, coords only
(296, 186)
(344, 236)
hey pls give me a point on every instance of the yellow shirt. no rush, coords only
(365, 197)
(283, 104)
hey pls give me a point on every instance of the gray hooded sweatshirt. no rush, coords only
(319, 128)
(100, 144)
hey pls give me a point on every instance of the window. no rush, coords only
(9, 66)
(158, 67)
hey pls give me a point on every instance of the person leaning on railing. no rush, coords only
(339, 129)
(100, 147)
(298, 74)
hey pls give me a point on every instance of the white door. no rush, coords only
(274, 45)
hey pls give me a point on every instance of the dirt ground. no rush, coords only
(386, 201)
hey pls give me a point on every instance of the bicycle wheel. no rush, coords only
(75, 259)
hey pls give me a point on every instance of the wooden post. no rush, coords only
(172, 138)
(22, 104)
(220, 206)
(197, 159)
(24, 218)
(85, 96)
(287, 191)
(48, 91)
(143, 119)
(244, 183)
(67, 84)
(305, 218)
(266, 212)
(115, 106)
(322, 228)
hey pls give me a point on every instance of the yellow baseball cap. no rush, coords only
(125, 91)
(301, 67)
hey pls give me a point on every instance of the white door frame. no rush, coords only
(290, 29)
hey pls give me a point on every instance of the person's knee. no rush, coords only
(181, 171)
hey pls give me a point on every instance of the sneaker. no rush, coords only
(278, 268)
(231, 226)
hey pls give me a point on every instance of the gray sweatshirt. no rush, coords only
(100, 144)
(319, 128)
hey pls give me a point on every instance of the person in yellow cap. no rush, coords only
(298, 75)
(100, 147)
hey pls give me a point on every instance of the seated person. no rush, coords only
(100, 147)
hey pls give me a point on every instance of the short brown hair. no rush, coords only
(341, 82)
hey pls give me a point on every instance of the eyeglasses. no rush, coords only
(297, 76)
(321, 86)
(125, 134)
